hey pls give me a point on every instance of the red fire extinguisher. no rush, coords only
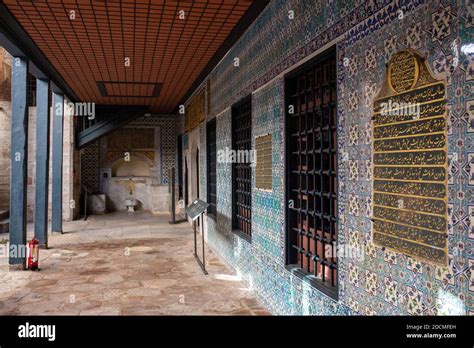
(33, 256)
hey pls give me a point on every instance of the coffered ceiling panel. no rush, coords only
(129, 52)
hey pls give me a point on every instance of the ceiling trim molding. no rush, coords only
(102, 86)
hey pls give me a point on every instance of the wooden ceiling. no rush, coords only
(130, 52)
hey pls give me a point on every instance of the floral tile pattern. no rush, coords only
(366, 34)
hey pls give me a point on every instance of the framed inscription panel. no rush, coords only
(263, 170)
(195, 111)
(409, 149)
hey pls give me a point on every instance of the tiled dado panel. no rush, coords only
(261, 262)
(267, 205)
(382, 282)
(389, 282)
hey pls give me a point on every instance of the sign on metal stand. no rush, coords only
(194, 211)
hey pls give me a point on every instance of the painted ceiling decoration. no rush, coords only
(134, 52)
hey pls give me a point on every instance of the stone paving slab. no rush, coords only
(121, 264)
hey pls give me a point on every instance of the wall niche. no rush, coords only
(134, 167)
(131, 158)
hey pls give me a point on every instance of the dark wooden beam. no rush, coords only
(42, 161)
(57, 170)
(19, 161)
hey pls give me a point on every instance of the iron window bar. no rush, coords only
(242, 172)
(312, 172)
(211, 169)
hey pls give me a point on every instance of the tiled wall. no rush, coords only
(90, 156)
(366, 34)
(90, 166)
(395, 283)
(167, 126)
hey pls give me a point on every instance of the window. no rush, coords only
(241, 169)
(211, 169)
(311, 126)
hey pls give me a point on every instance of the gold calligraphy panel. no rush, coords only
(410, 161)
(195, 111)
(263, 170)
(131, 138)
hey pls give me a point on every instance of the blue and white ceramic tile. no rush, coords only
(381, 282)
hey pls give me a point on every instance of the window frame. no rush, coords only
(211, 169)
(291, 254)
(245, 168)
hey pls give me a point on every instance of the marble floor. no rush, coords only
(121, 264)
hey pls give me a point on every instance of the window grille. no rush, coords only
(312, 171)
(241, 169)
(211, 169)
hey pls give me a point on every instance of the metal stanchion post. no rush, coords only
(195, 238)
(203, 253)
(195, 211)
